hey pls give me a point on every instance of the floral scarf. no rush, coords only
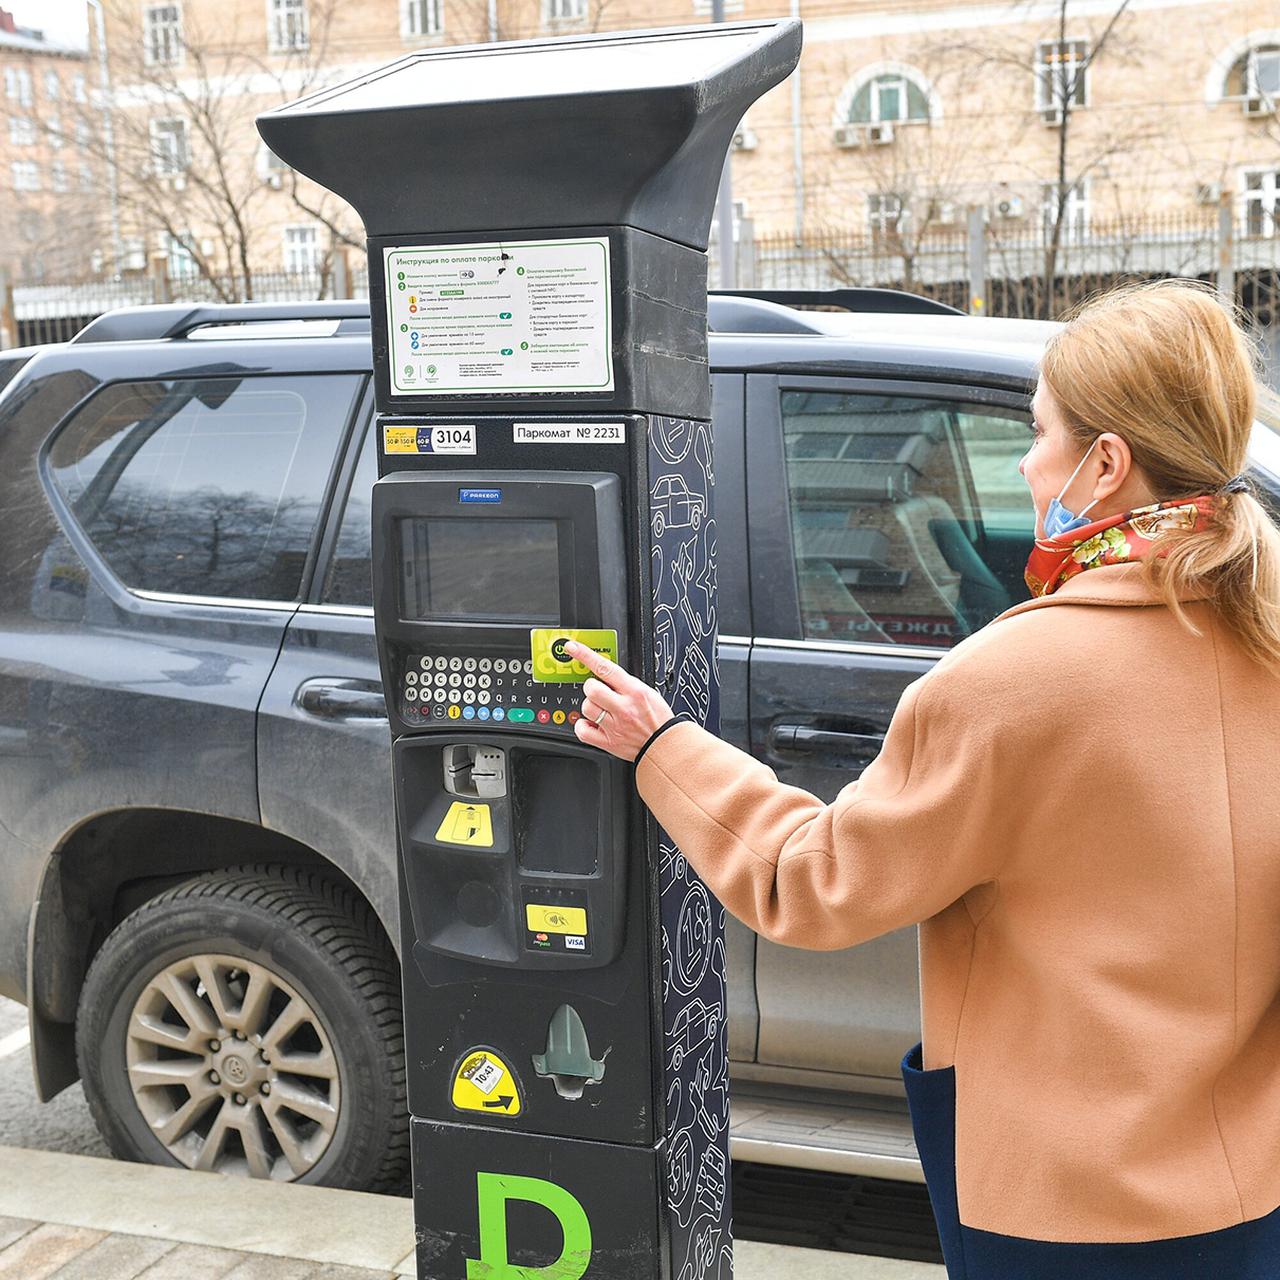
(1113, 540)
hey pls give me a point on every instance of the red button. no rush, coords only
(575, 716)
(543, 716)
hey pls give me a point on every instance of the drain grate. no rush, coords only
(833, 1211)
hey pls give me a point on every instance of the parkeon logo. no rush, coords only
(493, 1190)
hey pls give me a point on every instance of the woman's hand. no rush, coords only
(633, 709)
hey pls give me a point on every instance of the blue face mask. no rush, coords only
(1057, 519)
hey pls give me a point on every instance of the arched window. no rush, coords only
(1247, 70)
(887, 93)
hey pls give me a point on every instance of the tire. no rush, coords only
(293, 1069)
(659, 524)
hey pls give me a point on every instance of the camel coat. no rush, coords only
(1080, 806)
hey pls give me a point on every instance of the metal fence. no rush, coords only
(994, 268)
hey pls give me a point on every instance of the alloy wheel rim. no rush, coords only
(232, 1069)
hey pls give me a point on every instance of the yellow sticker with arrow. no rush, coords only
(467, 824)
(483, 1082)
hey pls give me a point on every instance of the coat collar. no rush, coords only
(1108, 584)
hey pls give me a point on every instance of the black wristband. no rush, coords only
(656, 734)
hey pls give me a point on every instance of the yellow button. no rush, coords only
(455, 712)
(558, 717)
(556, 919)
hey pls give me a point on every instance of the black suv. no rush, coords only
(197, 872)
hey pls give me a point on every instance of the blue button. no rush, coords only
(482, 713)
(468, 713)
(499, 713)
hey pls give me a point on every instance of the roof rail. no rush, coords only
(738, 313)
(176, 320)
(884, 301)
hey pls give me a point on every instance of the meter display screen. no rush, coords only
(493, 570)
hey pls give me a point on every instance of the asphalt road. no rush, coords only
(61, 1125)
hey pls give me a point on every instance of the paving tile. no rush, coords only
(115, 1258)
(39, 1253)
(12, 1229)
(260, 1267)
(193, 1262)
(335, 1272)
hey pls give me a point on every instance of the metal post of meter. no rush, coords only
(538, 217)
(724, 199)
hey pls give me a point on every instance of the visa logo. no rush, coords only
(574, 943)
(479, 495)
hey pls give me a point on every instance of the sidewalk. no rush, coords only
(77, 1218)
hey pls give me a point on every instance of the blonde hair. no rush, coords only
(1168, 367)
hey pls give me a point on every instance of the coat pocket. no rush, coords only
(931, 1098)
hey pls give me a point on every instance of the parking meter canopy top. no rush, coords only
(628, 129)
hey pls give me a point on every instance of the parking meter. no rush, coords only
(537, 217)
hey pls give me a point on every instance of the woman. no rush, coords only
(1079, 807)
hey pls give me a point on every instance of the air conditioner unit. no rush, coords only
(946, 213)
(880, 134)
(745, 140)
(177, 182)
(1009, 207)
(1259, 105)
(1208, 192)
(135, 259)
(275, 181)
(851, 135)
(1051, 116)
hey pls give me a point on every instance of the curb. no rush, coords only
(309, 1224)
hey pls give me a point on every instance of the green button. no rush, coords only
(520, 715)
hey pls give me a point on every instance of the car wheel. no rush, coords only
(659, 524)
(695, 518)
(249, 1022)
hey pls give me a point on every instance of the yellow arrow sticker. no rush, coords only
(467, 824)
(483, 1082)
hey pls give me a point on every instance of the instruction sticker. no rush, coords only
(467, 824)
(435, 438)
(530, 317)
(551, 661)
(569, 432)
(483, 1082)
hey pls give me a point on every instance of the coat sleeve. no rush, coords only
(921, 826)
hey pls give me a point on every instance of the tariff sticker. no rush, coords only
(483, 1082)
(467, 824)
(439, 438)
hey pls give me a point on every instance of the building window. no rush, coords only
(79, 88)
(86, 176)
(52, 86)
(58, 176)
(301, 250)
(162, 35)
(53, 131)
(1262, 73)
(421, 18)
(889, 98)
(287, 25)
(182, 262)
(563, 10)
(884, 211)
(22, 131)
(26, 175)
(1075, 213)
(1061, 75)
(17, 85)
(83, 133)
(169, 151)
(1262, 203)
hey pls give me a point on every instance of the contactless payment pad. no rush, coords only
(552, 665)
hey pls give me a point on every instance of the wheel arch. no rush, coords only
(104, 869)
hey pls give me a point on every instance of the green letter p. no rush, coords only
(493, 1190)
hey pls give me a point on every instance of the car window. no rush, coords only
(204, 486)
(910, 522)
(349, 580)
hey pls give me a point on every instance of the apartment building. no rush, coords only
(903, 111)
(47, 174)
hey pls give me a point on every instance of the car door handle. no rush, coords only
(341, 699)
(803, 737)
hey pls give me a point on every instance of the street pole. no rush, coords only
(724, 201)
(108, 139)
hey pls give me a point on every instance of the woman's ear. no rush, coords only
(1117, 465)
